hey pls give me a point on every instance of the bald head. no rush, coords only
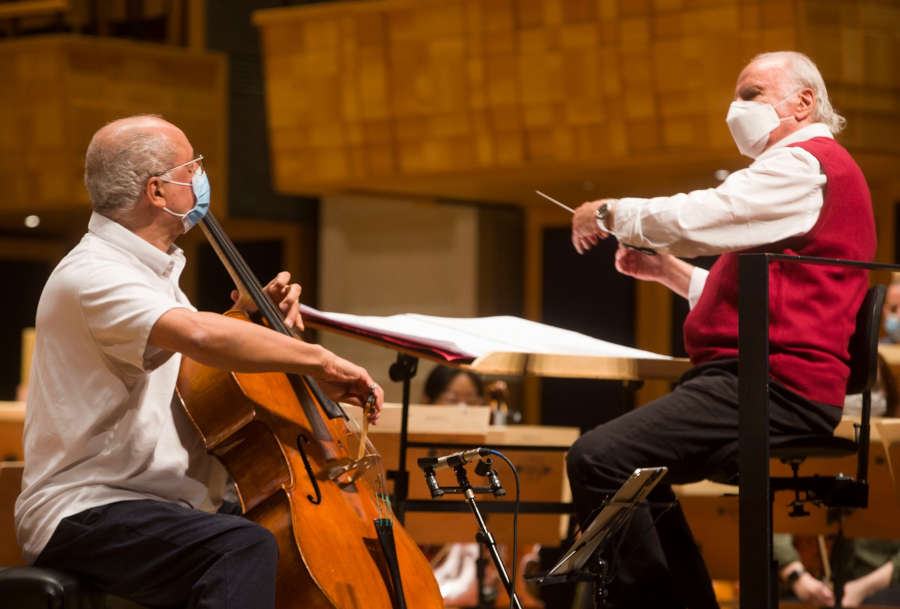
(795, 71)
(121, 157)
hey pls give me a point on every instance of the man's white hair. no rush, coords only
(802, 72)
(120, 159)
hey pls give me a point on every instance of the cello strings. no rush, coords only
(273, 315)
(246, 276)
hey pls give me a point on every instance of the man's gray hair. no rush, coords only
(120, 160)
(802, 72)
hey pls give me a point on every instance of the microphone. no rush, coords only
(452, 460)
(485, 469)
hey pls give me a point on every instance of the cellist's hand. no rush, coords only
(282, 292)
(344, 381)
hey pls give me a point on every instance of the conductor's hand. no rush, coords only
(641, 266)
(283, 293)
(344, 381)
(585, 231)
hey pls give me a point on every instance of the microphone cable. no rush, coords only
(515, 562)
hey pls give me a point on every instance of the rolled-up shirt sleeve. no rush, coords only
(695, 288)
(779, 196)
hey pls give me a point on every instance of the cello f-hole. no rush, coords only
(301, 440)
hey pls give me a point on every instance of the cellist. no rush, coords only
(118, 488)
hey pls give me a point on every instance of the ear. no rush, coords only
(806, 102)
(153, 190)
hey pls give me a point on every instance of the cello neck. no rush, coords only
(247, 284)
(250, 290)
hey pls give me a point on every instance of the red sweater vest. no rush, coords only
(812, 309)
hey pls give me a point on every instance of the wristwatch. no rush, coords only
(601, 214)
(794, 575)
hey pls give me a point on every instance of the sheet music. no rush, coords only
(472, 337)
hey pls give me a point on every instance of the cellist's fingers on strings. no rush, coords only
(287, 295)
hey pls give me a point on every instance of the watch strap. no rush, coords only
(794, 575)
(601, 214)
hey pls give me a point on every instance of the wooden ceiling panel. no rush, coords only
(59, 89)
(487, 99)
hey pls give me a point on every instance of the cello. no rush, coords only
(301, 470)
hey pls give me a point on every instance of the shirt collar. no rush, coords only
(161, 263)
(801, 135)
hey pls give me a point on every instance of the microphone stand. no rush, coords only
(483, 536)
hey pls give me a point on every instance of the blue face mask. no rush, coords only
(892, 327)
(200, 185)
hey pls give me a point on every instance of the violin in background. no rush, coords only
(497, 397)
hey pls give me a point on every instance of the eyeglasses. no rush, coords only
(198, 161)
(450, 397)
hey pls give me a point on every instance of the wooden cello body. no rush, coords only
(272, 434)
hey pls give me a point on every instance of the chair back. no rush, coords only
(863, 350)
(864, 342)
(864, 369)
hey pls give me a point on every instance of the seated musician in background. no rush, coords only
(870, 568)
(118, 487)
(448, 386)
(891, 312)
(803, 194)
(454, 563)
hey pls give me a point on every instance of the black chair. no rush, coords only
(841, 491)
(34, 588)
(37, 588)
(838, 491)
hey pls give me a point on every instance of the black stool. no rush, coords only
(841, 491)
(36, 588)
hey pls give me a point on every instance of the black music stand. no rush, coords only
(582, 561)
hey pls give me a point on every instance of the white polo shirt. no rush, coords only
(101, 424)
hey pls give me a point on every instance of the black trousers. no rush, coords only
(694, 432)
(161, 554)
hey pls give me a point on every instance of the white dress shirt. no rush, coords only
(778, 196)
(101, 424)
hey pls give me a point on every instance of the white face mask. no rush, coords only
(751, 123)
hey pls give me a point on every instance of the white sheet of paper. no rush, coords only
(477, 336)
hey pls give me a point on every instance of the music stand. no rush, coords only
(612, 518)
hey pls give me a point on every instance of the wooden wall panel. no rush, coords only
(379, 256)
(395, 89)
(58, 90)
(489, 99)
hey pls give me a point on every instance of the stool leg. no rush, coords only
(837, 573)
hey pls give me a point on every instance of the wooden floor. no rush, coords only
(727, 593)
